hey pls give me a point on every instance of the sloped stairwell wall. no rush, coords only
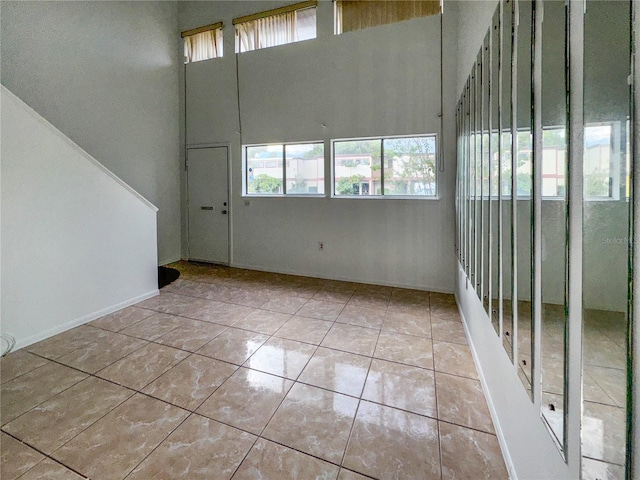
(77, 242)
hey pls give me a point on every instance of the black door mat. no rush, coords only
(166, 276)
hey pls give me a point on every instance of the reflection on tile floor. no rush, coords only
(604, 383)
(239, 374)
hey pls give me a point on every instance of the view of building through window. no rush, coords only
(403, 166)
(302, 165)
(604, 163)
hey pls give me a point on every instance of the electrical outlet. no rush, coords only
(247, 203)
(321, 246)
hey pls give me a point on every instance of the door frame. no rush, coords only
(202, 146)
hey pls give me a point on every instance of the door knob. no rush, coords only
(224, 212)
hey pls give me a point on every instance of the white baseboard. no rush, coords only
(341, 278)
(25, 342)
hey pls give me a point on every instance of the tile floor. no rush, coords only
(238, 374)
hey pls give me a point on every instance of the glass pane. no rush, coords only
(471, 188)
(553, 224)
(505, 180)
(357, 167)
(605, 236)
(486, 176)
(477, 180)
(524, 181)
(410, 166)
(305, 168)
(306, 24)
(494, 179)
(264, 170)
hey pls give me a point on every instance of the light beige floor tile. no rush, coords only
(392, 444)
(407, 323)
(336, 370)
(191, 335)
(409, 307)
(190, 382)
(301, 329)
(168, 302)
(454, 359)
(18, 363)
(351, 338)
(376, 290)
(282, 357)
(407, 349)
(401, 386)
(247, 400)
(327, 418)
(143, 366)
(447, 329)
(250, 297)
(349, 475)
(200, 448)
(369, 300)
(480, 451)
(445, 299)
(270, 461)
(225, 313)
(603, 352)
(338, 286)
(97, 355)
(592, 392)
(263, 321)
(233, 345)
(461, 401)
(66, 342)
(603, 433)
(59, 419)
(333, 296)
(25, 392)
(612, 381)
(362, 316)
(596, 470)
(154, 327)
(284, 304)
(122, 318)
(114, 445)
(321, 309)
(17, 458)
(50, 470)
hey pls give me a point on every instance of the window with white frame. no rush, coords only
(385, 166)
(203, 43)
(284, 169)
(293, 23)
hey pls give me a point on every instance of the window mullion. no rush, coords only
(381, 169)
(284, 169)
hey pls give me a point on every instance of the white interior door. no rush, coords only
(208, 191)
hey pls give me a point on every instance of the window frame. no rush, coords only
(292, 8)
(218, 31)
(284, 194)
(382, 196)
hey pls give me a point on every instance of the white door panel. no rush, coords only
(208, 192)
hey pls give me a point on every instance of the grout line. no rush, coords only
(43, 454)
(387, 306)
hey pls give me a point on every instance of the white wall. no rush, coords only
(107, 75)
(77, 242)
(379, 81)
